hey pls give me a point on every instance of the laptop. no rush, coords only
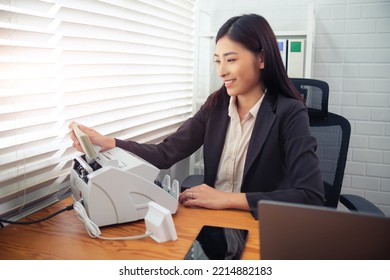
(300, 232)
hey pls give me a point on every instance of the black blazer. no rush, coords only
(281, 163)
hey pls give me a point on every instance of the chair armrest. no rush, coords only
(359, 204)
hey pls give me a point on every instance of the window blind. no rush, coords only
(122, 67)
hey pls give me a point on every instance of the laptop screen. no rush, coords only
(294, 231)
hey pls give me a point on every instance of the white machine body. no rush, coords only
(117, 187)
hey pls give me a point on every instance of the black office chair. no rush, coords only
(332, 132)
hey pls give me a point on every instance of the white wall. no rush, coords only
(351, 53)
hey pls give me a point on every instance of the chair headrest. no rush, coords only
(315, 94)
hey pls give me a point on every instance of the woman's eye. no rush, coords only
(231, 60)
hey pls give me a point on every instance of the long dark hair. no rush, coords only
(254, 33)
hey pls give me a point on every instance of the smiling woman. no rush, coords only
(126, 69)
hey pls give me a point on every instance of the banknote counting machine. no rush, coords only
(117, 186)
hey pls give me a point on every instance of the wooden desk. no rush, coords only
(64, 237)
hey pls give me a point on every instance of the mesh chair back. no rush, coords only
(332, 132)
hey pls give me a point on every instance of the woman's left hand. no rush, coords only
(208, 197)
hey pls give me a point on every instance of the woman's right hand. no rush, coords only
(105, 142)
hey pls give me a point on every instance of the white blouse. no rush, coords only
(231, 166)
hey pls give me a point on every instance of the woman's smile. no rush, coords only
(229, 83)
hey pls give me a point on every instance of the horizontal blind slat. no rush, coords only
(123, 67)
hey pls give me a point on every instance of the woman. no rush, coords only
(254, 129)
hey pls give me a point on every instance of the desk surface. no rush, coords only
(64, 236)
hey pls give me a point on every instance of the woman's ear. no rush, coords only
(261, 60)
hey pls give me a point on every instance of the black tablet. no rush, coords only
(218, 243)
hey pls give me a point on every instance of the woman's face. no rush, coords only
(238, 67)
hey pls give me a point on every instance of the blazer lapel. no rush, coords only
(213, 146)
(264, 121)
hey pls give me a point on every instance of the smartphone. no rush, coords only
(218, 243)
